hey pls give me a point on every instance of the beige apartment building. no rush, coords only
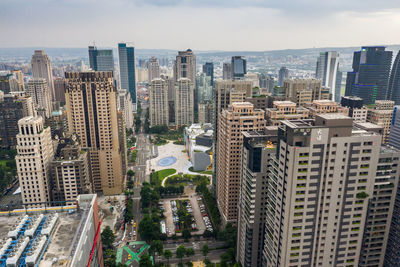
(285, 110)
(91, 104)
(239, 117)
(304, 91)
(381, 114)
(185, 66)
(330, 195)
(34, 154)
(159, 112)
(38, 89)
(184, 102)
(326, 106)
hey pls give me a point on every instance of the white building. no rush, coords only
(158, 102)
(40, 92)
(198, 142)
(41, 68)
(327, 71)
(35, 152)
(126, 107)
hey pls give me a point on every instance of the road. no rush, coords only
(139, 167)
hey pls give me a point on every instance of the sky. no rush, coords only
(234, 25)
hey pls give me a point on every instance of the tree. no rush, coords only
(189, 264)
(145, 261)
(205, 250)
(167, 255)
(189, 252)
(107, 237)
(156, 246)
(130, 173)
(186, 234)
(180, 252)
(130, 184)
(148, 229)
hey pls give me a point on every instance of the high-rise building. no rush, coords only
(12, 109)
(227, 71)
(285, 110)
(39, 91)
(240, 116)
(327, 191)
(41, 68)
(204, 88)
(171, 97)
(238, 67)
(11, 81)
(283, 75)
(370, 76)
(159, 114)
(34, 154)
(126, 53)
(381, 114)
(394, 135)
(184, 102)
(125, 105)
(357, 111)
(208, 69)
(205, 112)
(226, 93)
(101, 59)
(338, 86)
(266, 82)
(394, 82)
(59, 89)
(91, 104)
(70, 175)
(304, 91)
(154, 69)
(185, 66)
(327, 72)
(258, 148)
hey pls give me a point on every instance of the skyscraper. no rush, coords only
(327, 72)
(185, 66)
(41, 68)
(159, 114)
(258, 148)
(204, 88)
(304, 91)
(126, 107)
(101, 59)
(238, 67)
(328, 194)
(12, 109)
(226, 71)
(240, 116)
(394, 135)
(283, 75)
(34, 154)
(394, 82)
(208, 69)
(370, 76)
(91, 104)
(39, 91)
(127, 70)
(154, 69)
(184, 102)
(10, 81)
(59, 89)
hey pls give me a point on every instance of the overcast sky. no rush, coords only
(200, 24)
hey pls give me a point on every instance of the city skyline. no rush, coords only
(295, 24)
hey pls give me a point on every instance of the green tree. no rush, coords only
(148, 229)
(186, 234)
(130, 184)
(180, 252)
(107, 237)
(156, 246)
(130, 173)
(205, 251)
(189, 264)
(189, 252)
(167, 255)
(145, 261)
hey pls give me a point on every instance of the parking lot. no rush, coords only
(189, 204)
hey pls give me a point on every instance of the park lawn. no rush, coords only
(164, 173)
(202, 172)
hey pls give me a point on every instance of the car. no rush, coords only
(134, 232)
(134, 224)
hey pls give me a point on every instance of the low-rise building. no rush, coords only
(326, 106)
(199, 142)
